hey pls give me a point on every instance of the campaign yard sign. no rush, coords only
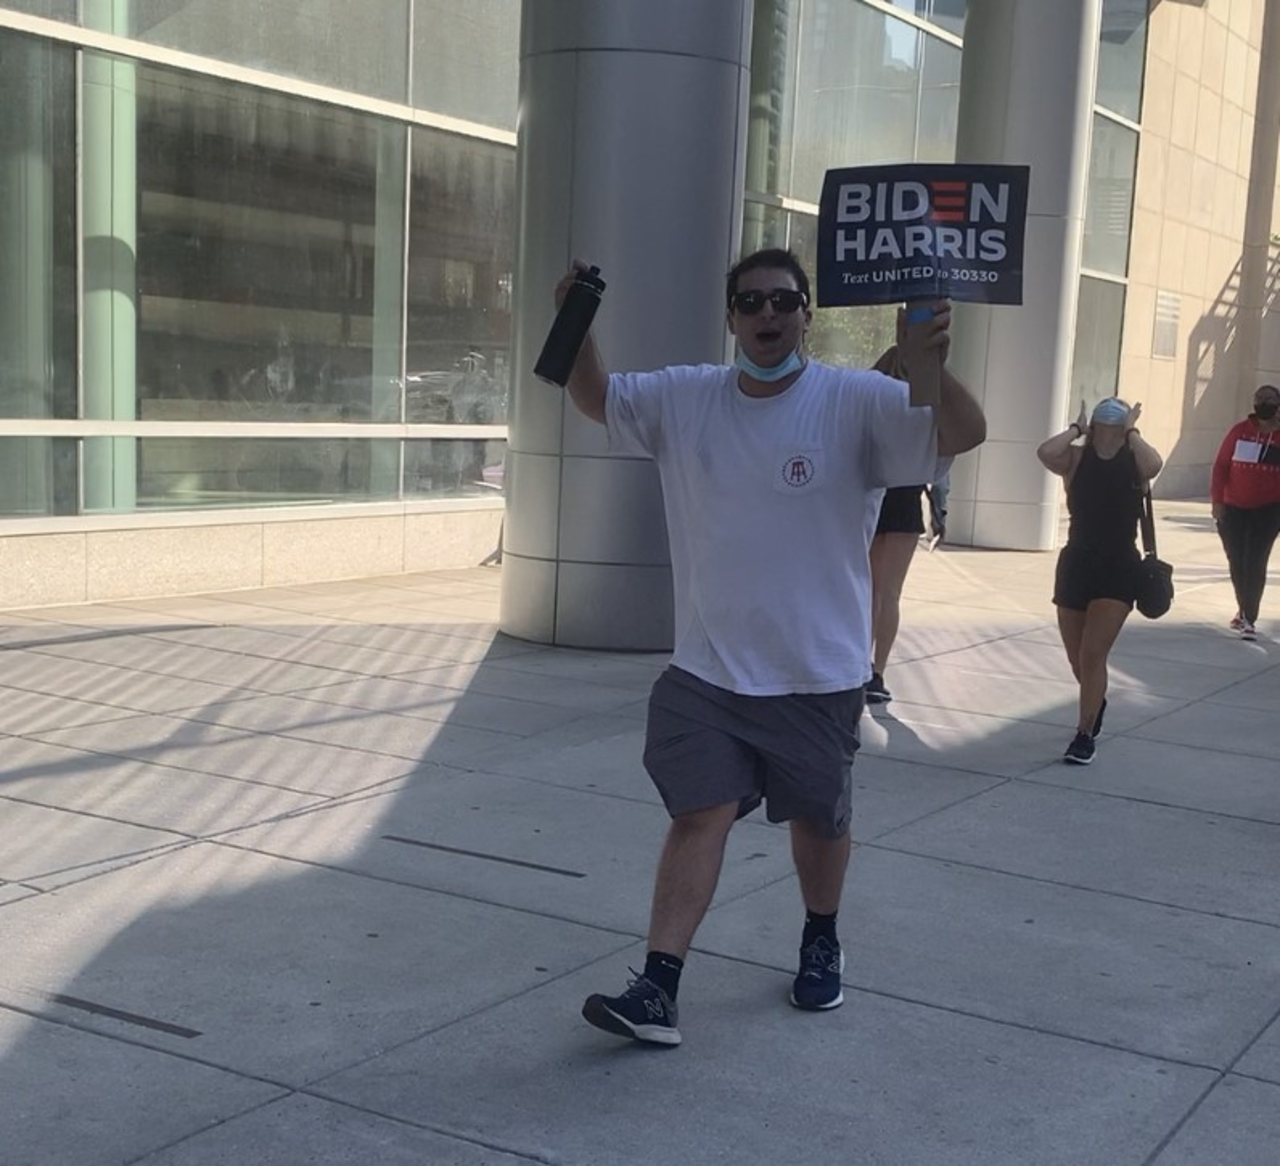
(920, 231)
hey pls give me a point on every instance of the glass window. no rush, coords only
(37, 229)
(939, 102)
(1122, 56)
(461, 252)
(1164, 334)
(763, 226)
(858, 82)
(1109, 209)
(269, 241)
(466, 59)
(180, 473)
(871, 89)
(454, 469)
(775, 27)
(330, 42)
(948, 14)
(37, 476)
(854, 337)
(1095, 364)
(49, 9)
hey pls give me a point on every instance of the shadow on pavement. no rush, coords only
(345, 908)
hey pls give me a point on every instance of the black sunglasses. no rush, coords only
(785, 300)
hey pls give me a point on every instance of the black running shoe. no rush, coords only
(1097, 721)
(643, 1012)
(1080, 751)
(875, 692)
(817, 984)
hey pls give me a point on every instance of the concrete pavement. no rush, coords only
(322, 875)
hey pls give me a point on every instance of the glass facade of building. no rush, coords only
(225, 224)
(231, 222)
(1113, 165)
(275, 267)
(841, 83)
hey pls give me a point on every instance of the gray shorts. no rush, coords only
(705, 746)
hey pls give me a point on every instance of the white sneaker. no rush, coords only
(1247, 630)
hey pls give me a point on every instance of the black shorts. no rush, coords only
(705, 746)
(900, 512)
(1085, 574)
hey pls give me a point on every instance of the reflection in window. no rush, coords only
(872, 89)
(37, 229)
(774, 30)
(454, 468)
(37, 271)
(1122, 55)
(854, 337)
(269, 254)
(939, 102)
(176, 473)
(762, 226)
(358, 47)
(948, 14)
(49, 9)
(466, 59)
(461, 249)
(1109, 208)
(857, 92)
(37, 476)
(1095, 365)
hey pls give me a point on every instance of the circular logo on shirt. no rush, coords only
(797, 470)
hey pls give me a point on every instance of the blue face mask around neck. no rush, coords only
(793, 363)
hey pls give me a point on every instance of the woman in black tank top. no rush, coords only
(1095, 582)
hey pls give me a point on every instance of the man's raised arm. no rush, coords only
(962, 426)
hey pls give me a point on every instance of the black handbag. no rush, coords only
(1154, 585)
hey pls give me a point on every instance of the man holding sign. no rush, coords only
(771, 472)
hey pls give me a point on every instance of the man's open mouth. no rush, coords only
(768, 336)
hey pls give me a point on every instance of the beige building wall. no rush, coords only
(91, 560)
(1190, 247)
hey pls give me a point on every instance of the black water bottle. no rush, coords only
(569, 329)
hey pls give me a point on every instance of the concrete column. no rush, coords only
(1026, 97)
(110, 220)
(631, 152)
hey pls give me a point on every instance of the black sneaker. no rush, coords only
(875, 692)
(817, 984)
(1080, 751)
(643, 1012)
(1097, 721)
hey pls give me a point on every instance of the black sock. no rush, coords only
(664, 970)
(819, 927)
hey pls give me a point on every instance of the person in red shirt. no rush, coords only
(1245, 493)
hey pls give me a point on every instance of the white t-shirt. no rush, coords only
(771, 505)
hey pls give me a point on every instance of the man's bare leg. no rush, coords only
(688, 872)
(821, 863)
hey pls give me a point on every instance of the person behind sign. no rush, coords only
(762, 466)
(1244, 491)
(1096, 579)
(898, 529)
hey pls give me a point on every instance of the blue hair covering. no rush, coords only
(1110, 411)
